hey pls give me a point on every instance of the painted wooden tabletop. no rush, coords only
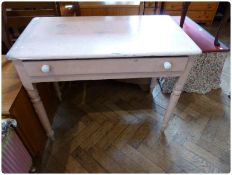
(102, 37)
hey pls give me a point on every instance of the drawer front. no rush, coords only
(104, 66)
(149, 11)
(149, 4)
(109, 8)
(196, 6)
(109, 11)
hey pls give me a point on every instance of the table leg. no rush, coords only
(176, 94)
(35, 98)
(40, 110)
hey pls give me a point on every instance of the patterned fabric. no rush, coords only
(6, 124)
(204, 75)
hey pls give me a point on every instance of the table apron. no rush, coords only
(66, 70)
(54, 78)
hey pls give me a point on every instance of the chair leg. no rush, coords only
(184, 13)
(57, 89)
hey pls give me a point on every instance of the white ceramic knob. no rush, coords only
(167, 65)
(45, 68)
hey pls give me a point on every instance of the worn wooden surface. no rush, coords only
(126, 36)
(109, 4)
(109, 8)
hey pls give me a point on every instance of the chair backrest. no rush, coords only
(17, 15)
(224, 20)
(69, 8)
(184, 11)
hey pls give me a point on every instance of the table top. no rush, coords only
(51, 38)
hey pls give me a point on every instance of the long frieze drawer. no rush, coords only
(193, 6)
(98, 66)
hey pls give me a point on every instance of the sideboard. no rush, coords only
(201, 12)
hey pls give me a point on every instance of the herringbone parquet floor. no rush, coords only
(107, 126)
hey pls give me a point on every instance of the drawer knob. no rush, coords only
(167, 65)
(45, 68)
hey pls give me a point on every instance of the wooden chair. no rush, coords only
(202, 38)
(69, 8)
(17, 15)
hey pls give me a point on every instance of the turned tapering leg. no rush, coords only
(35, 98)
(173, 101)
(176, 94)
(40, 110)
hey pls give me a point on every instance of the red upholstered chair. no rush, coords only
(206, 72)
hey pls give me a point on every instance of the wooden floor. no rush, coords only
(108, 126)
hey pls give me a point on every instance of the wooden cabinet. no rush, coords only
(28, 127)
(16, 104)
(150, 4)
(194, 6)
(202, 12)
(107, 8)
(152, 8)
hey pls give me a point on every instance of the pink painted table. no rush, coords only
(55, 49)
